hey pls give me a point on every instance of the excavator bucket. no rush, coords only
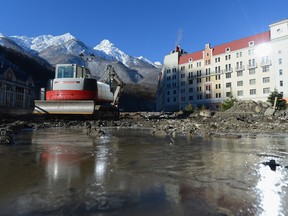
(84, 107)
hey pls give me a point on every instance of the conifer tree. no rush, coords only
(280, 103)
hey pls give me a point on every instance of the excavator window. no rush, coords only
(65, 72)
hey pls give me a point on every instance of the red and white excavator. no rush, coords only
(75, 91)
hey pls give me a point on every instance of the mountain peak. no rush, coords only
(42, 42)
(105, 43)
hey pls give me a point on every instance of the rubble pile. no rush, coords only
(250, 106)
(245, 117)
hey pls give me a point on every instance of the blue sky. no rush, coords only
(149, 28)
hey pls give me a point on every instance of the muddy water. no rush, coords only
(130, 172)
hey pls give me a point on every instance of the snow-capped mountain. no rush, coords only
(116, 54)
(42, 42)
(105, 49)
(66, 49)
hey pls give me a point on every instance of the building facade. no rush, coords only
(17, 92)
(246, 69)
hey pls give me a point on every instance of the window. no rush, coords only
(266, 79)
(240, 83)
(174, 92)
(228, 94)
(239, 73)
(228, 49)
(182, 75)
(190, 98)
(240, 93)
(190, 82)
(218, 95)
(252, 71)
(168, 92)
(228, 85)
(252, 81)
(168, 100)
(265, 69)
(190, 90)
(65, 72)
(198, 80)
(281, 83)
(190, 59)
(182, 91)
(252, 91)
(280, 61)
(251, 43)
(251, 52)
(183, 83)
(228, 75)
(251, 63)
(266, 90)
(280, 72)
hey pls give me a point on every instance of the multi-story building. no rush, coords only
(247, 69)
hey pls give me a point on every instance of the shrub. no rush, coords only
(227, 104)
(189, 108)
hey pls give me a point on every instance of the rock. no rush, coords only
(269, 112)
(205, 113)
(258, 109)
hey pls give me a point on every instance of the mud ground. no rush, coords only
(246, 117)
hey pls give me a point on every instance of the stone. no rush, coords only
(269, 112)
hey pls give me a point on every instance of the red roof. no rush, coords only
(195, 56)
(233, 45)
(242, 43)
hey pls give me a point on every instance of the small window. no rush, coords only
(190, 59)
(228, 49)
(251, 43)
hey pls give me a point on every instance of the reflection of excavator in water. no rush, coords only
(74, 91)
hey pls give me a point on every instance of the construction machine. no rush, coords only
(74, 91)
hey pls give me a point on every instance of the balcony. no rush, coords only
(265, 63)
(251, 66)
(239, 68)
(228, 70)
(191, 77)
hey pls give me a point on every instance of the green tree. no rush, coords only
(280, 103)
(227, 104)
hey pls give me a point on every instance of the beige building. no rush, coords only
(247, 69)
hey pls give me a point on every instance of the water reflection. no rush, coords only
(272, 187)
(132, 172)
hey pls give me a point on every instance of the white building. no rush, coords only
(247, 69)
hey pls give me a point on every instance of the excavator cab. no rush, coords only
(71, 71)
